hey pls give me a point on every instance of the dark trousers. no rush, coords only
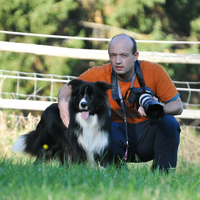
(148, 140)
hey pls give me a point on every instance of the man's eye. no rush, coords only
(125, 55)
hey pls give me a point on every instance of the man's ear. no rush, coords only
(136, 55)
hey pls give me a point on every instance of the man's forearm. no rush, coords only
(174, 107)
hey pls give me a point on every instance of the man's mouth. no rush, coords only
(119, 68)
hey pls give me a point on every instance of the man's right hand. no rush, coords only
(64, 112)
(63, 103)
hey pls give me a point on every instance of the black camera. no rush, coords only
(144, 96)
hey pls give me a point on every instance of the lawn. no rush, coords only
(21, 180)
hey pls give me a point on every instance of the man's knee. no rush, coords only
(170, 127)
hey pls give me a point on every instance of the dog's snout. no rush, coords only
(83, 104)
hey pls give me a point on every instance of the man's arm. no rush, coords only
(63, 102)
(174, 107)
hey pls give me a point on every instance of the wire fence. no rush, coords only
(42, 87)
(189, 92)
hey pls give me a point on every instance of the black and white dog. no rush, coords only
(86, 139)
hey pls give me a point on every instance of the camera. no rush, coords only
(144, 96)
(152, 108)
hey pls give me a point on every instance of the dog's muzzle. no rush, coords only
(83, 106)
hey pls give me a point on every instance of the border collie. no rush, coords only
(86, 139)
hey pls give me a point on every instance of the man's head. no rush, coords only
(123, 53)
(134, 45)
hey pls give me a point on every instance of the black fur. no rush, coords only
(64, 143)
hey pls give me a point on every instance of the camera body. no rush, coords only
(135, 93)
(144, 97)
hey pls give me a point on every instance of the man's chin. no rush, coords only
(120, 71)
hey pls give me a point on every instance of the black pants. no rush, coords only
(148, 140)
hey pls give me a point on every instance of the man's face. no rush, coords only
(121, 57)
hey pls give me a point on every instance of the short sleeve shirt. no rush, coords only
(155, 77)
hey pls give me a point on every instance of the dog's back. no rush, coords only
(49, 138)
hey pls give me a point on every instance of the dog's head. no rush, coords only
(88, 97)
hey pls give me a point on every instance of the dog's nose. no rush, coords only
(83, 104)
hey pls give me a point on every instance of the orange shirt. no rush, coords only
(155, 77)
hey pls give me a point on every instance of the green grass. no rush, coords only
(21, 180)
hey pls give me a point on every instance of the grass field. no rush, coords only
(21, 180)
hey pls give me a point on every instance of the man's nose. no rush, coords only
(118, 59)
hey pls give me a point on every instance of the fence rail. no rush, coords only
(42, 105)
(91, 54)
(18, 99)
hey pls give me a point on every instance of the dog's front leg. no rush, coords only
(100, 166)
(90, 158)
(91, 161)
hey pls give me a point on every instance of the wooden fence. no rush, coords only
(91, 54)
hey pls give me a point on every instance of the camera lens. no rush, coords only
(152, 108)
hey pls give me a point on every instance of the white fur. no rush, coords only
(83, 100)
(20, 145)
(92, 139)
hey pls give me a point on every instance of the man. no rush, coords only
(135, 137)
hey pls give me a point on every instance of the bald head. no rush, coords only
(122, 53)
(124, 38)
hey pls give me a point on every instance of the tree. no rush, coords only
(152, 19)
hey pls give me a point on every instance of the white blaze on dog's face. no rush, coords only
(83, 105)
(87, 97)
(85, 101)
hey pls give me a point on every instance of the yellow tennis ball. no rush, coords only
(45, 146)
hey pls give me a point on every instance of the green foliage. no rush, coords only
(36, 16)
(44, 17)
(152, 20)
(180, 14)
(183, 71)
(133, 12)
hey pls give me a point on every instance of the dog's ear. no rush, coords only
(75, 82)
(103, 85)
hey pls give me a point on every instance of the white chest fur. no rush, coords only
(92, 139)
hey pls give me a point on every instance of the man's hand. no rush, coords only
(64, 112)
(141, 109)
(172, 108)
(63, 103)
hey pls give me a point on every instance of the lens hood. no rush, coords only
(152, 108)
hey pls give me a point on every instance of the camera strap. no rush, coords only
(117, 95)
(124, 107)
(139, 74)
(114, 81)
